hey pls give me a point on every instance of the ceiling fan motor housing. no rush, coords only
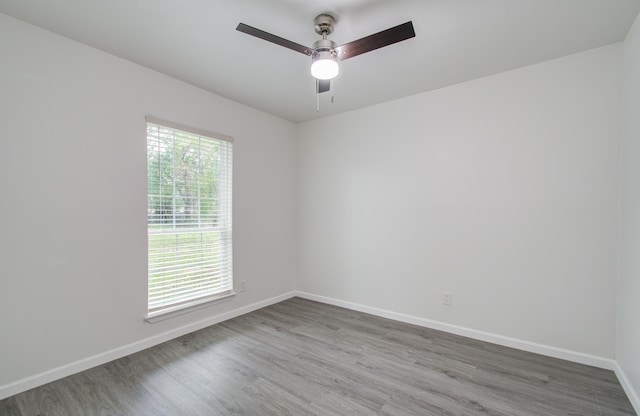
(324, 45)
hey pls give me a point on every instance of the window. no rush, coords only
(188, 217)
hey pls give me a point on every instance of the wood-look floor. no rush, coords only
(301, 357)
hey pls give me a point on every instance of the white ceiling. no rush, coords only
(456, 41)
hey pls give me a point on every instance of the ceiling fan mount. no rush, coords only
(324, 24)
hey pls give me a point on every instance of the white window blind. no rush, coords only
(189, 216)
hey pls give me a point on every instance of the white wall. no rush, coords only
(502, 190)
(628, 329)
(73, 213)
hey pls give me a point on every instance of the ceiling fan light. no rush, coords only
(324, 65)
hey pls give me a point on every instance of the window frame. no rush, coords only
(197, 301)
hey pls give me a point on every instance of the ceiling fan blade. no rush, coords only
(377, 40)
(249, 30)
(323, 85)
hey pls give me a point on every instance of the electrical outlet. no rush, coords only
(243, 286)
(447, 299)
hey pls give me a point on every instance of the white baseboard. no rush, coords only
(633, 396)
(102, 358)
(549, 351)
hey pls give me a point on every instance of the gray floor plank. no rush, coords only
(300, 357)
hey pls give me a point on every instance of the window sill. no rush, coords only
(171, 312)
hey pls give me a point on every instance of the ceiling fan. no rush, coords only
(325, 53)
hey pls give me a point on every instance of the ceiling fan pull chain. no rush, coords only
(317, 95)
(332, 88)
